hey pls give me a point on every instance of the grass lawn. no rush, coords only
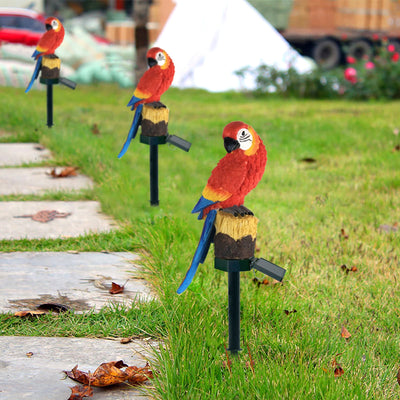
(314, 217)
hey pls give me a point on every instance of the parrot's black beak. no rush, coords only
(152, 62)
(231, 144)
(48, 27)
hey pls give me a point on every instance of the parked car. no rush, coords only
(19, 25)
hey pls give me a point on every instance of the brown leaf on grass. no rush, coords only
(115, 288)
(396, 148)
(347, 270)
(345, 333)
(111, 373)
(343, 234)
(65, 172)
(29, 313)
(338, 370)
(137, 375)
(287, 312)
(79, 392)
(95, 129)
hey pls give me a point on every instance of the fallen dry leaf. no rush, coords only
(343, 234)
(338, 370)
(126, 340)
(115, 288)
(29, 354)
(287, 312)
(95, 129)
(111, 373)
(65, 172)
(345, 333)
(396, 148)
(29, 313)
(347, 270)
(45, 215)
(79, 392)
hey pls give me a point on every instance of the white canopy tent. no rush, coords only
(209, 40)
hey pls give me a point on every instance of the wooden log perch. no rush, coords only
(155, 119)
(235, 235)
(51, 65)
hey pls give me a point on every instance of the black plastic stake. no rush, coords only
(49, 105)
(154, 175)
(234, 311)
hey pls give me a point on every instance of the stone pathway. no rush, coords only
(20, 219)
(39, 181)
(31, 367)
(40, 375)
(80, 281)
(22, 153)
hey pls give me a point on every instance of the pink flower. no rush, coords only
(369, 65)
(395, 57)
(391, 48)
(350, 60)
(350, 74)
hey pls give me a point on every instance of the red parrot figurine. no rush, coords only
(47, 44)
(231, 180)
(154, 82)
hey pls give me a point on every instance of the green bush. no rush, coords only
(377, 77)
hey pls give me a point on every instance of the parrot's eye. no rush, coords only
(54, 24)
(244, 138)
(160, 58)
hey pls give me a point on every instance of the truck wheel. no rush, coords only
(359, 48)
(327, 53)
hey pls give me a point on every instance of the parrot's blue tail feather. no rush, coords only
(201, 205)
(35, 74)
(201, 251)
(133, 131)
(133, 101)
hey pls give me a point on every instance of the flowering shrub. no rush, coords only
(375, 78)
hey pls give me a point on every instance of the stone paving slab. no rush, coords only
(85, 217)
(39, 181)
(80, 281)
(22, 153)
(40, 376)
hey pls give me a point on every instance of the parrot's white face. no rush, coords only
(160, 58)
(54, 24)
(245, 138)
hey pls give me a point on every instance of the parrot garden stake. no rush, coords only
(228, 223)
(48, 63)
(152, 115)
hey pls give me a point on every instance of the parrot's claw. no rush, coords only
(237, 211)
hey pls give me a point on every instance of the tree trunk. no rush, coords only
(141, 18)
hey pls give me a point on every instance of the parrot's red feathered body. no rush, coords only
(154, 82)
(231, 180)
(238, 172)
(48, 44)
(51, 39)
